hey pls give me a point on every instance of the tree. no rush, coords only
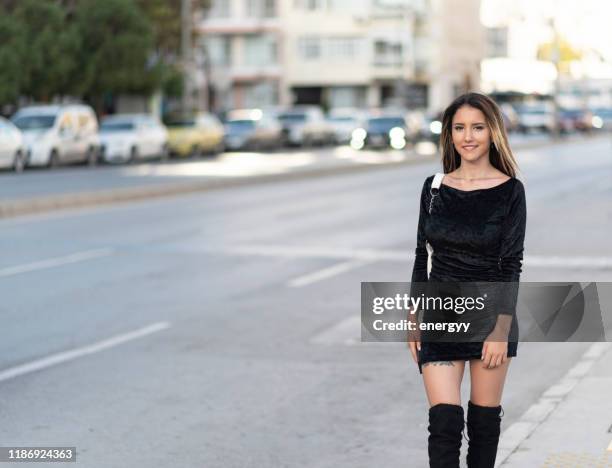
(116, 41)
(12, 53)
(52, 47)
(165, 19)
(566, 53)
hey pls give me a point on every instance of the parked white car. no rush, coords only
(56, 134)
(344, 121)
(306, 125)
(131, 137)
(12, 152)
(535, 117)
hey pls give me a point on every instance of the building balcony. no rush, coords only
(238, 25)
(246, 73)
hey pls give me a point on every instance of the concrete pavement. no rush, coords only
(570, 425)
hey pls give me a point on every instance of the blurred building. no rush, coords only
(243, 40)
(342, 53)
(516, 31)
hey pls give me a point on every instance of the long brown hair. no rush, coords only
(500, 154)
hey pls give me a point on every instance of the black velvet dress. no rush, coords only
(476, 235)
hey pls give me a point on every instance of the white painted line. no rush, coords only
(345, 332)
(537, 413)
(65, 356)
(543, 261)
(329, 252)
(55, 262)
(325, 273)
(405, 255)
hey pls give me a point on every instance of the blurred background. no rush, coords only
(192, 192)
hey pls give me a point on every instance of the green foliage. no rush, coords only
(51, 48)
(116, 42)
(89, 48)
(12, 53)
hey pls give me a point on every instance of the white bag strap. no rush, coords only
(433, 191)
(437, 180)
(435, 187)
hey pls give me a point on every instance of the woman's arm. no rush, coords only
(511, 250)
(419, 270)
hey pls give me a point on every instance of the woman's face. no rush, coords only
(471, 134)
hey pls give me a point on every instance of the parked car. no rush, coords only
(193, 135)
(130, 137)
(431, 129)
(56, 134)
(13, 153)
(382, 131)
(344, 121)
(252, 129)
(535, 117)
(511, 118)
(602, 118)
(306, 126)
(574, 120)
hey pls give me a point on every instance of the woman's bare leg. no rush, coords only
(442, 381)
(487, 385)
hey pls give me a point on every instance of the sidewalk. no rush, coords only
(571, 424)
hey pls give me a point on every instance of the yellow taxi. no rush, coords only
(194, 135)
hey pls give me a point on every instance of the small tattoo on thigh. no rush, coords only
(440, 363)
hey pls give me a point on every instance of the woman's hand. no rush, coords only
(494, 353)
(414, 337)
(495, 347)
(414, 346)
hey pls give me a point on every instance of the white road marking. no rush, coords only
(325, 273)
(331, 252)
(345, 332)
(55, 262)
(65, 356)
(395, 255)
(568, 262)
(535, 415)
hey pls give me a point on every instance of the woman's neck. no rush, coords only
(475, 171)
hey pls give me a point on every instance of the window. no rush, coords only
(387, 53)
(311, 5)
(329, 48)
(260, 50)
(261, 8)
(309, 48)
(339, 48)
(219, 50)
(349, 96)
(220, 9)
(261, 94)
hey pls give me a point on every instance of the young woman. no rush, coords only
(476, 226)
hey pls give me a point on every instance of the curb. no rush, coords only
(14, 208)
(26, 206)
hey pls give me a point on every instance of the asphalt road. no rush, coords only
(219, 330)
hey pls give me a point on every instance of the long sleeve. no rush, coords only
(419, 271)
(511, 250)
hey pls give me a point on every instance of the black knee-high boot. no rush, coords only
(445, 430)
(483, 427)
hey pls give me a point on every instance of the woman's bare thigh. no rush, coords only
(487, 385)
(442, 381)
